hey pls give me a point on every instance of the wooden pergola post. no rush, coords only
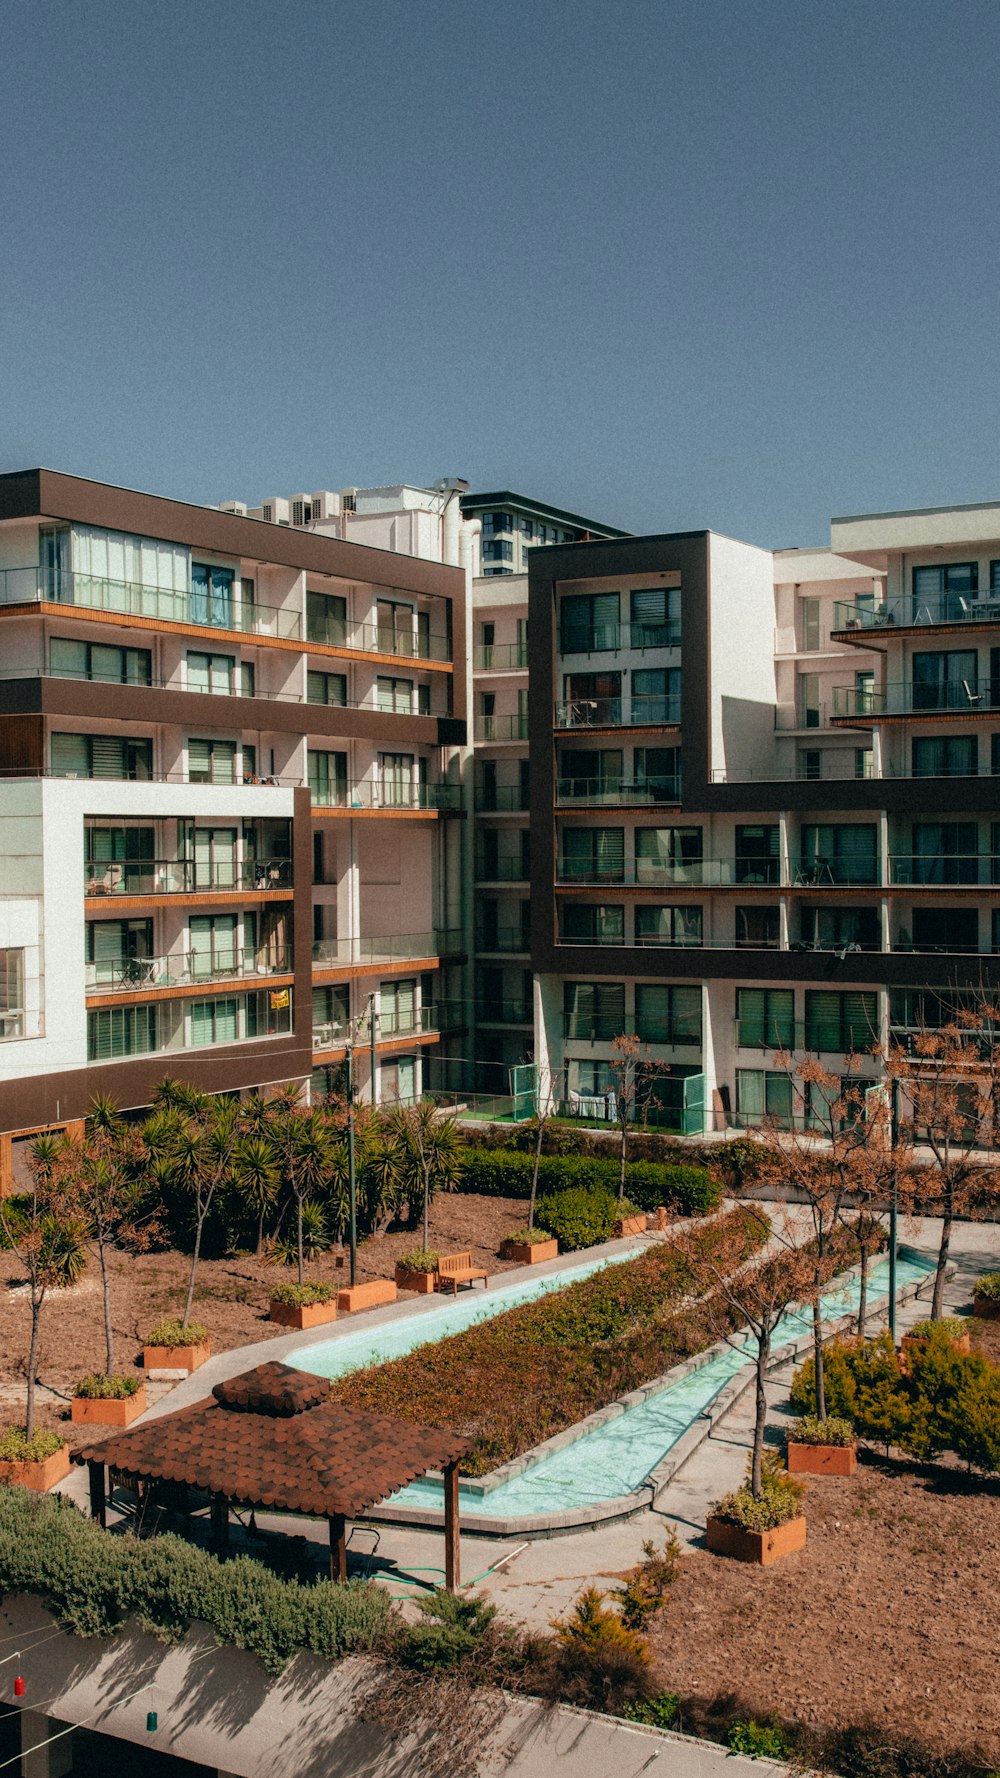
(452, 1554)
(98, 1494)
(220, 1523)
(338, 1547)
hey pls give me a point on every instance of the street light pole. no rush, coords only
(352, 1192)
(371, 1034)
(893, 1211)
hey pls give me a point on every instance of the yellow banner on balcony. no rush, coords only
(279, 998)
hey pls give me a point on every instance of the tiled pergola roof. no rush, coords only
(272, 1438)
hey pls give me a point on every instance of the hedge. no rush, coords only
(578, 1217)
(91, 1581)
(507, 1173)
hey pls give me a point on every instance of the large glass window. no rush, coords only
(763, 1094)
(667, 924)
(844, 852)
(326, 688)
(756, 858)
(655, 617)
(120, 1031)
(397, 694)
(757, 928)
(594, 1011)
(11, 993)
(589, 923)
(589, 622)
(326, 619)
(943, 590)
(841, 929)
(211, 762)
(119, 952)
(946, 679)
(765, 1018)
(214, 944)
(656, 695)
(327, 774)
(101, 756)
(221, 674)
(592, 699)
(98, 660)
(397, 1006)
(658, 774)
(945, 852)
(674, 852)
(841, 1022)
(591, 775)
(945, 756)
(667, 1014)
(213, 1021)
(944, 929)
(593, 854)
(212, 595)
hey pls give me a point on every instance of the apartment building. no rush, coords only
(512, 524)
(761, 815)
(232, 801)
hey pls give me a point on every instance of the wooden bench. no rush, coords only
(456, 1269)
(366, 1296)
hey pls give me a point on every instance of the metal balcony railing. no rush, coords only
(499, 799)
(947, 610)
(641, 712)
(608, 638)
(502, 728)
(592, 793)
(121, 975)
(173, 876)
(821, 1037)
(677, 1033)
(217, 611)
(382, 794)
(363, 638)
(707, 873)
(332, 953)
(501, 657)
(907, 698)
(951, 870)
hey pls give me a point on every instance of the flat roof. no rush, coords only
(538, 508)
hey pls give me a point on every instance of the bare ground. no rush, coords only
(889, 1615)
(231, 1299)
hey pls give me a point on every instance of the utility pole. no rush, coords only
(893, 1208)
(372, 1017)
(352, 1189)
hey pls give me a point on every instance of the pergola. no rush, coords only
(273, 1439)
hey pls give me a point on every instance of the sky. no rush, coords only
(668, 263)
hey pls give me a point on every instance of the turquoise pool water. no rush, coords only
(615, 1458)
(352, 1351)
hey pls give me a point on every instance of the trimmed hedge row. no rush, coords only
(579, 1217)
(506, 1173)
(91, 1582)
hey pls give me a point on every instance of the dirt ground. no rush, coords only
(888, 1615)
(231, 1299)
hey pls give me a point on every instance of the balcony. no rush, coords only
(598, 713)
(358, 795)
(502, 870)
(946, 870)
(517, 1010)
(189, 969)
(501, 657)
(501, 799)
(672, 1033)
(649, 873)
(941, 610)
(160, 1026)
(502, 728)
(505, 941)
(590, 793)
(824, 1037)
(956, 697)
(196, 610)
(361, 638)
(173, 876)
(334, 953)
(611, 638)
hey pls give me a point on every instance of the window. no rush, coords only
(119, 860)
(326, 688)
(220, 674)
(945, 929)
(945, 756)
(812, 637)
(587, 923)
(656, 617)
(96, 660)
(593, 1080)
(594, 1011)
(657, 774)
(211, 762)
(101, 756)
(666, 1014)
(326, 619)
(765, 1018)
(119, 951)
(396, 783)
(674, 852)
(840, 1022)
(944, 590)
(840, 929)
(397, 1004)
(845, 853)
(397, 695)
(864, 762)
(497, 550)
(213, 852)
(590, 775)
(756, 858)
(589, 622)
(946, 679)
(757, 928)
(945, 852)
(656, 694)
(592, 698)
(327, 777)
(54, 563)
(396, 620)
(763, 1093)
(810, 763)
(213, 1021)
(213, 943)
(593, 854)
(121, 1031)
(810, 710)
(667, 924)
(212, 595)
(11, 993)
(331, 1013)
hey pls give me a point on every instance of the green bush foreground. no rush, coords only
(507, 1173)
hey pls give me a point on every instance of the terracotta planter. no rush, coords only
(96, 1410)
(39, 1477)
(366, 1296)
(530, 1253)
(175, 1358)
(986, 1308)
(302, 1314)
(821, 1459)
(915, 1343)
(631, 1225)
(760, 1547)
(424, 1282)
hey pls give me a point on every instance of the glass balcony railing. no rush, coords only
(636, 712)
(517, 1010)
(502, 870)
(385, 795)
(905, 698)
(912, 610)
(593, 793)
(154, 1027)
(500, 799)
(609, 638)
(334, 953)
(211, 610)
(501, 657)
(173, 876)
(653, 873)
(944, 870)
(505, 940)
(122, 975)
(677, 1033)
(824, 1037)
(502, 728)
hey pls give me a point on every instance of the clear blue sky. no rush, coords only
(667, 262)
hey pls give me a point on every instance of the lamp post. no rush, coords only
(352, 1189)
(372, 1019)
(893, 1209)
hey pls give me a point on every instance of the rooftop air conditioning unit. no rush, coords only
(349, 499)
(275, 511)
(236, 506)
(325, 506)
(302, 512)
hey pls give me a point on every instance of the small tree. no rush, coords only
(305, 1149)
(429, 1150)
(635, 1074)
(546, 1107)
(47, 1237)
(106, 1180)
(191, 1139)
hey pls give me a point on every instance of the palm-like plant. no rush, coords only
(429, 1154)
(47, 1236)
(306, 1149)
(194, 1138)
(254, 1176)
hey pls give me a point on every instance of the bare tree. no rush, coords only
(635, 1073)
(547, 1102)
(47, 1236)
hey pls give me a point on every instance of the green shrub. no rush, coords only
(578, 1217)
(950, 1326)
(302, 1296)
(758, 1740)
(647, 1586)
(811, 1430)
(507, 1173)
(419, 1259)
(691, 1191)
(660, 1712)
(779, 1500)
(526, 1237)
(171, 1333)
(746, 1159)
(101, 1388)
(987, 1287)
(450, 1632)
(602, 1662)
(91, 1581)
(16, 1447)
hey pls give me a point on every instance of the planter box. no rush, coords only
(821, 1459)
(98, 1410)
(173, 1359)
(302, 1314)
(986, 1308)
(424, 1282)
(631, 1225)
(760, 1547)
(366, 1296)
(530, 1253)
(916, 1343)
(39, 1477)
